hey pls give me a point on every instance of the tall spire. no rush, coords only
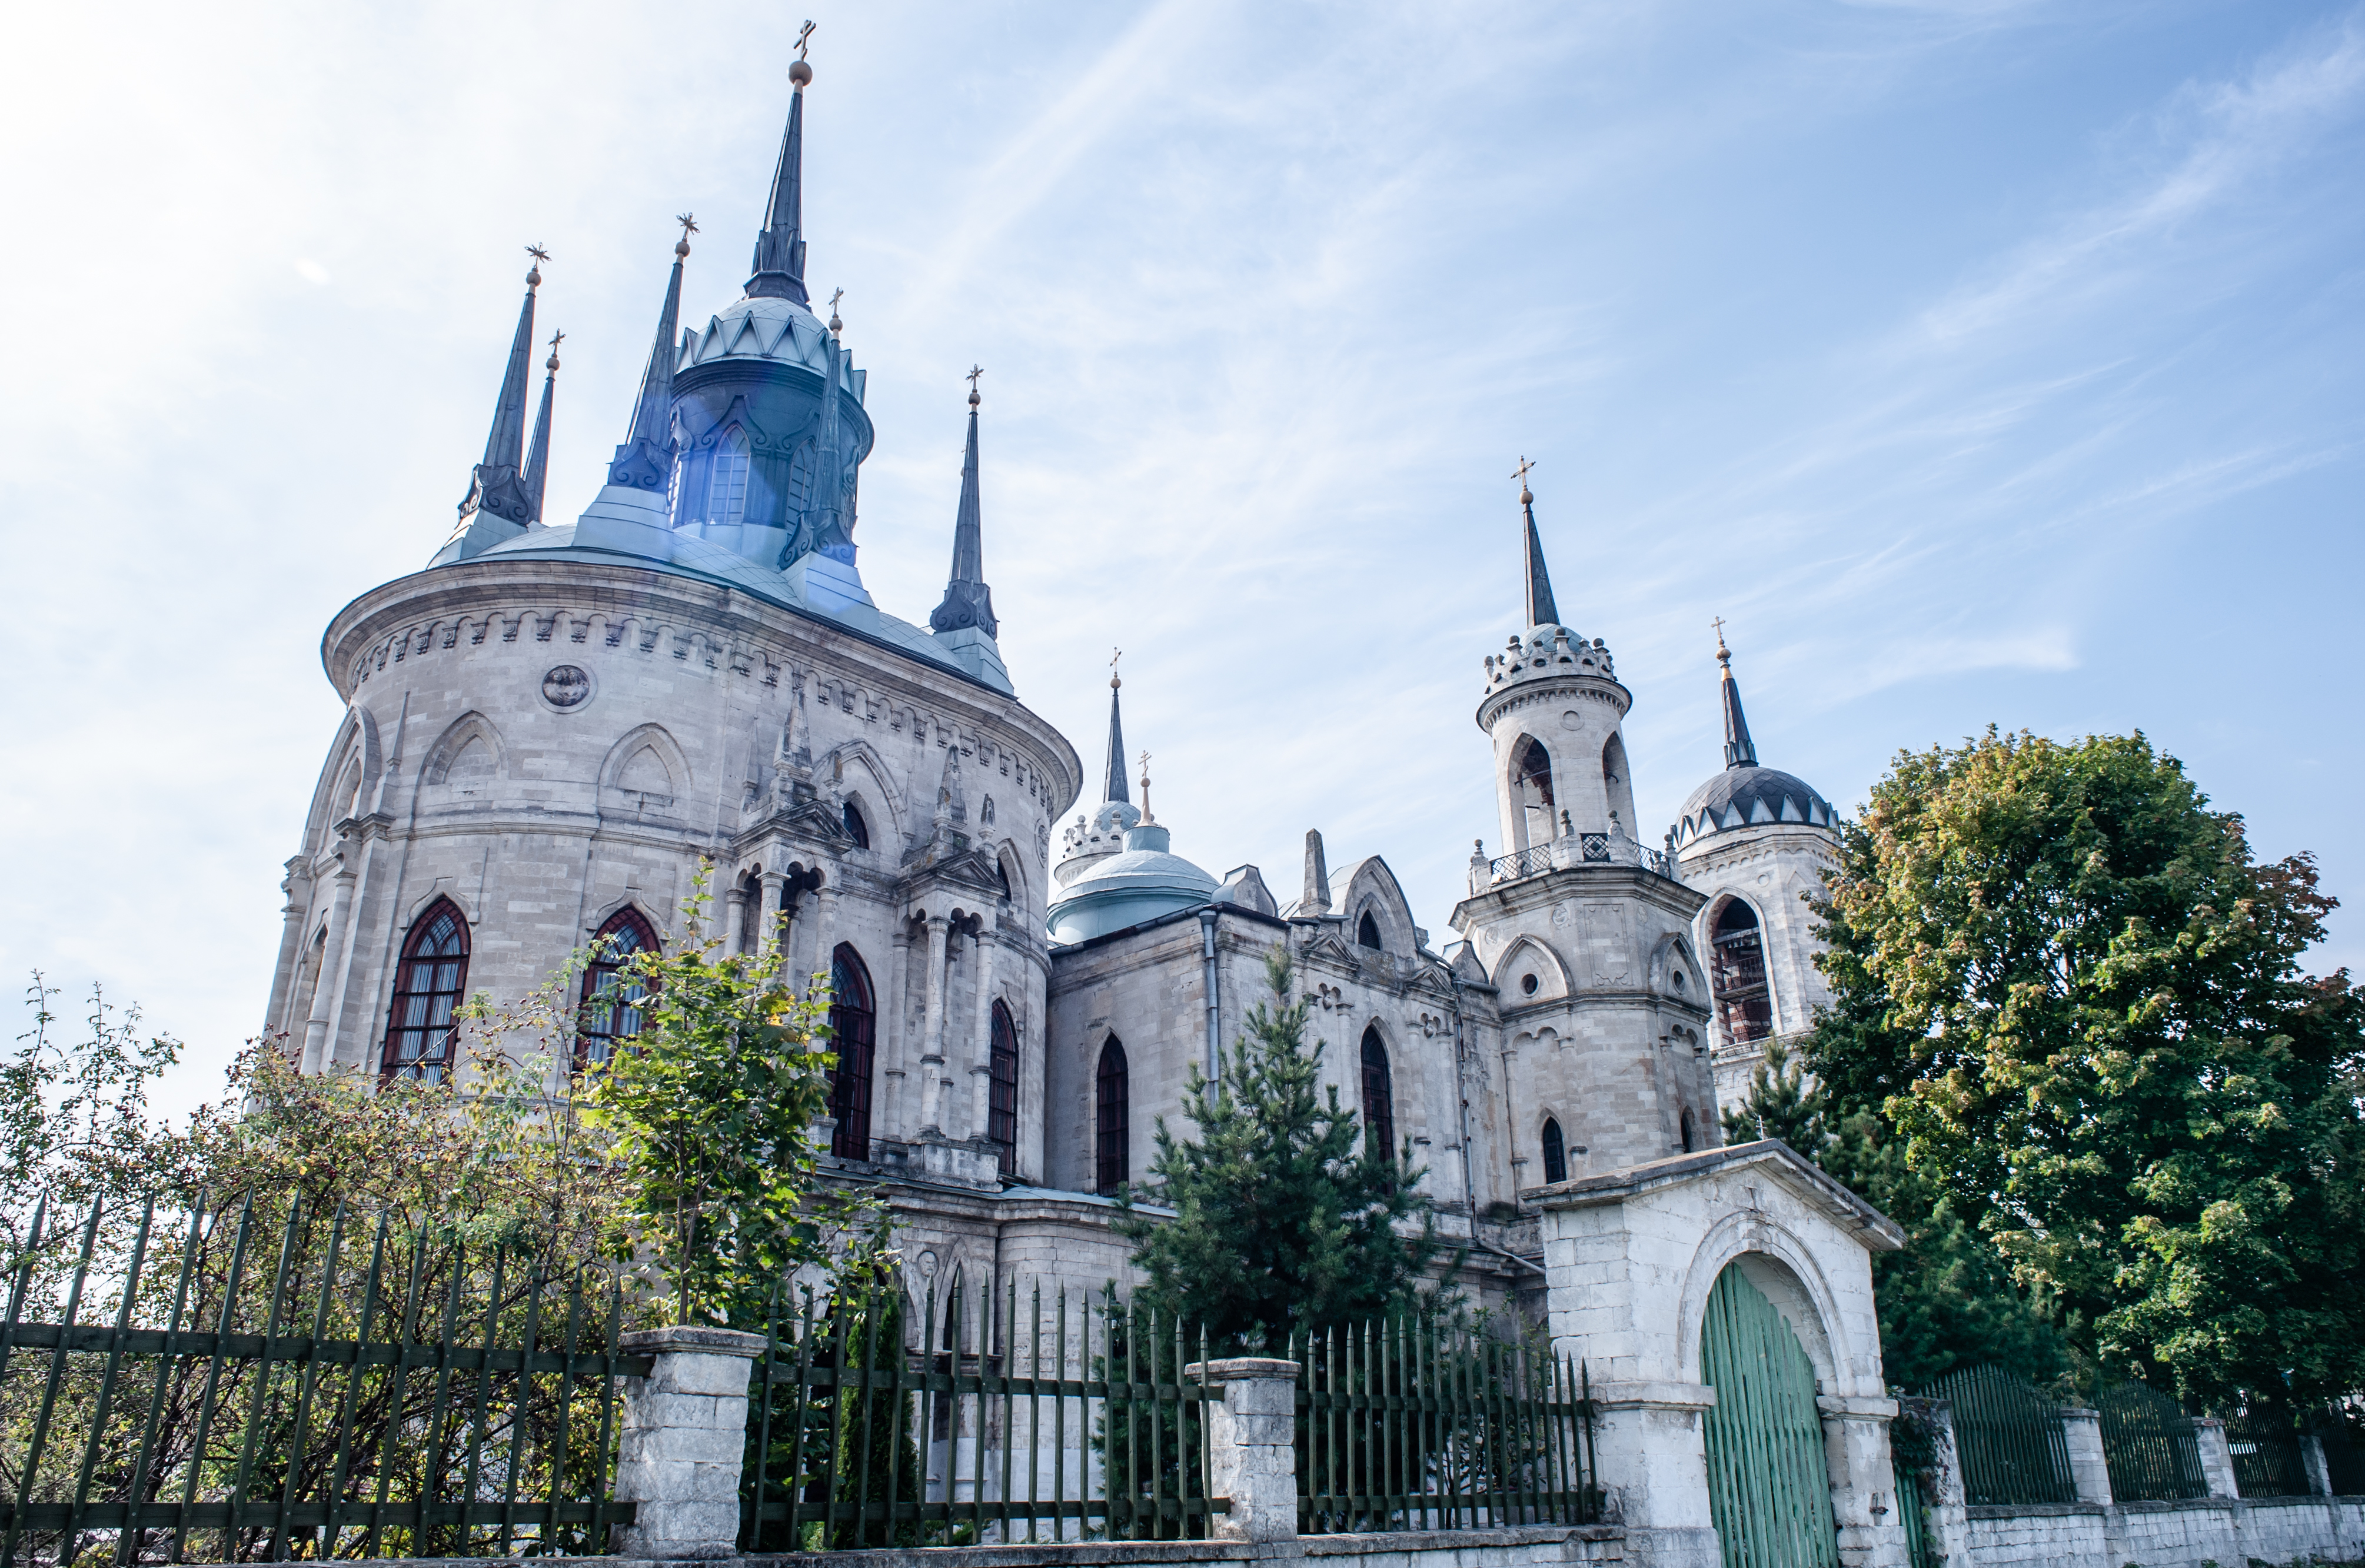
(645, 460)
(779, 267)
(1116, 790)
(537, 457)
(497, 486)
(1739, 750)
(1542, 611)
(967, 601)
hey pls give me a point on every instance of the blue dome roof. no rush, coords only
(1141, 882)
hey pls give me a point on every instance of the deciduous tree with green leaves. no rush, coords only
(1284, 1218)
(2081, 1001)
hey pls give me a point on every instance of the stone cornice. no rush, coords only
(1551, 690)
(1770, 1157)
(1507, 900)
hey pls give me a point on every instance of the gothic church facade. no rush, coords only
(554, 734)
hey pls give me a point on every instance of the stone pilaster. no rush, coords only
(685, 1440)
(1252, 1454)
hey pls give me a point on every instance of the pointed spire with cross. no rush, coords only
(1740, 751)
(537, 458)
(644, 461)
(1542, 611)
(779, 267)
(497, 486)
(967, 602)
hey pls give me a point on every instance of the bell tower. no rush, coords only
(1583, 934)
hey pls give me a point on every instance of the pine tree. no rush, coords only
(1283, 1219)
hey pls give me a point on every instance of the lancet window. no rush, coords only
(428, 985)
(1367, 931)
(1743, 1004)
(1379, 1094)
(726, 484)
(1002, 1091)
(855, 828)
(853, 1024)
(612, 997)
(1555, 1152)
(1112, 1150)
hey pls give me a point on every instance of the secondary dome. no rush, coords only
(1750, 796)
(1140, 882)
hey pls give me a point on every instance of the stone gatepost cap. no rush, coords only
(690, 1339)
(1240, 1369)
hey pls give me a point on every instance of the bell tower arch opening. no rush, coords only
(1744, 1002)
(1532, 798)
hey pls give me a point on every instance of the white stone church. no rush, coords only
(552, 729)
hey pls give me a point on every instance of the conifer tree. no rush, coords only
(1284, 1218)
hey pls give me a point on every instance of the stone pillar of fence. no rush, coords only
(685, 1442)
(2082, 1431)
(2319, 1473)
(1253, 1450)
(1945, 1513)
(2216, 1456)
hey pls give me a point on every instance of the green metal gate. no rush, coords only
(1769, 1490)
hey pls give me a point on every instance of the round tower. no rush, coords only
(1755, 842)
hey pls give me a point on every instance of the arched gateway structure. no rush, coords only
(1721, 1302)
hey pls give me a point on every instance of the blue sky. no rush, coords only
(1977, 361)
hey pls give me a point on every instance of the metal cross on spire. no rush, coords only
(1114, 655)
(974, 372)
(1722, 652)
(689, 224)
(804, 36)
(537, 252)
(1520, 474)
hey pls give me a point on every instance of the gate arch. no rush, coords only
(1768, 1482)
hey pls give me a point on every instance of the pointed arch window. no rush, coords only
(611, 997)
(1743, 1004)
(1379, 1095)
(1367, 931)
(1687, 1127)
(1531, 785)
(752, 912)
(726, 484)
(1112, 1151)
(1555, 1152)
(855, 828)
(852, 1024)
(1002, 1099)
(428, 984)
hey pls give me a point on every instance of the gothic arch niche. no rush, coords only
(354, 751)
(1533, 820)
(866, 776)
(1379, 1094)
(852, 1020)
(1744, 994)
(612, 999)
(1529, 959)
(1367, 931)
(465, 760)
(1382, 914)
(1111, 1118)
(1675, 972)
(855, 820)
(1617, 782)
(645, 772)
(1012, 866)
(430, 981)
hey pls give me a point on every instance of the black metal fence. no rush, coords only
(2264, 1440)
(2341, 1430)
(1410, 1424)
(2008, 1436)
(989, 1419)
(372, 1392)
(2150, 1446)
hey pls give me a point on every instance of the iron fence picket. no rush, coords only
(2150, 1445)
(2009, 1437)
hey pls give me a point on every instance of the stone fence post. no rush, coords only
(1252, 1451)
(2088, 1469)
(2216, 1456)
(1944, 1515)
(685, 1442)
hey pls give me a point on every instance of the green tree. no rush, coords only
(1282, 1219)
(2078, 1000)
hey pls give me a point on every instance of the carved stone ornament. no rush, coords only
(566, 687)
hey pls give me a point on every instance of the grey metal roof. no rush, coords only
(1749, 797)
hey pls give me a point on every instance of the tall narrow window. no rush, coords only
(1379, 1095)
(752, 912)
(726, 484)
(851, 1024)
(428, 984)
(1113, 1153)
(1688, 1129)
(1742, 1003)
(612, 998)
(1002, 1100)
(855, 828)
(1555, 1152)
(1532, 783)
(1367, 931)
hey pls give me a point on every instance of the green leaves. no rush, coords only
(1283, 1218)
(2065, 984)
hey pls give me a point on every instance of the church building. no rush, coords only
(552, 730)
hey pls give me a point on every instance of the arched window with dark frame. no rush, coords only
(1002, 1096)
(1743, 1004)
(1112, 1150)
(1555, 1152)
(853, 1028)
(1379, 1094)
(428, 984)
(1686, 1126)
(1531, 778)
(612, 999)
(1367, 931)
(855, 828)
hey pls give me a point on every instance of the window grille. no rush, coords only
(612, 998)
(1744, 1004)
(1112, 1151)
(1002, 1102)
(1379, 1095)
(851, 1024)
(726, 485)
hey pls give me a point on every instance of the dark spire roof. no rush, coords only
(1116, 790)
(1739, 751)
(537, 457)
(780, 248)
(497, 486)
(967, 601)
(1542, 611)
(645, 460)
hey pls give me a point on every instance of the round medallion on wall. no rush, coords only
(566, 687)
